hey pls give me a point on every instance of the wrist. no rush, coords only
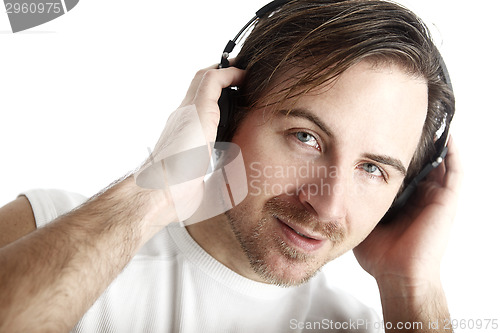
(394, 286)
(417, 301)
(153, 209)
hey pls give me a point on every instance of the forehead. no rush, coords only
(379, 109)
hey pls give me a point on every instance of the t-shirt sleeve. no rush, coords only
(49, 204)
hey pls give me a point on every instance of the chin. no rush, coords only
(278, 263)
(283, 273)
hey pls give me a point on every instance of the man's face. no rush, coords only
(322, 177)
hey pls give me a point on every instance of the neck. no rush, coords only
(216, 237)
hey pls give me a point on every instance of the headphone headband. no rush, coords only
(269, 8)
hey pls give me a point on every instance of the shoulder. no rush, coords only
(34, 209)
(48, 204)
(16, 220)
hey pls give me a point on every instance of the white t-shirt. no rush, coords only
(173, 285)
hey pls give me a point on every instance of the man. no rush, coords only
(349, 91)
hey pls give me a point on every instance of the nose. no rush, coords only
(325, 197)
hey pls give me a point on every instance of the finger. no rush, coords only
(214, 80)
(206, 77)
(208, 94)
(195, 83)
(454, 171)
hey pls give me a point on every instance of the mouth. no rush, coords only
(300, 238)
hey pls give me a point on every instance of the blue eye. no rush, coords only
(307, 138)
(372, 169)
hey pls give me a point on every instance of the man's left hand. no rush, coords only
(410, 247)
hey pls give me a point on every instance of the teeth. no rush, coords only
(298, 233)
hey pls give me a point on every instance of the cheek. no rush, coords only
(366, 208)
(267, 168)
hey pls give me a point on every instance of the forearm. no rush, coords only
(414, 306)
(52, 276)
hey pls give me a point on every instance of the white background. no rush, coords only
(84, 96)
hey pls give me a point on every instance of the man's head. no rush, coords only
(341, 104)
(318, 40)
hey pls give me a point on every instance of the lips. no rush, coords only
(300, 238)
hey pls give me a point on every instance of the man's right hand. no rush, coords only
(51, 276)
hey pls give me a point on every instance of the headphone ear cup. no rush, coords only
(412, 186)
(399, 203)
(226, 103)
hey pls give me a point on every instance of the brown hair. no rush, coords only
(320, 39)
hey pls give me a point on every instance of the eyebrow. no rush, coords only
(388, 160)
(382, 159)
(304, 113)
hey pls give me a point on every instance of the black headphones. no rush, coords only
(226, 105)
